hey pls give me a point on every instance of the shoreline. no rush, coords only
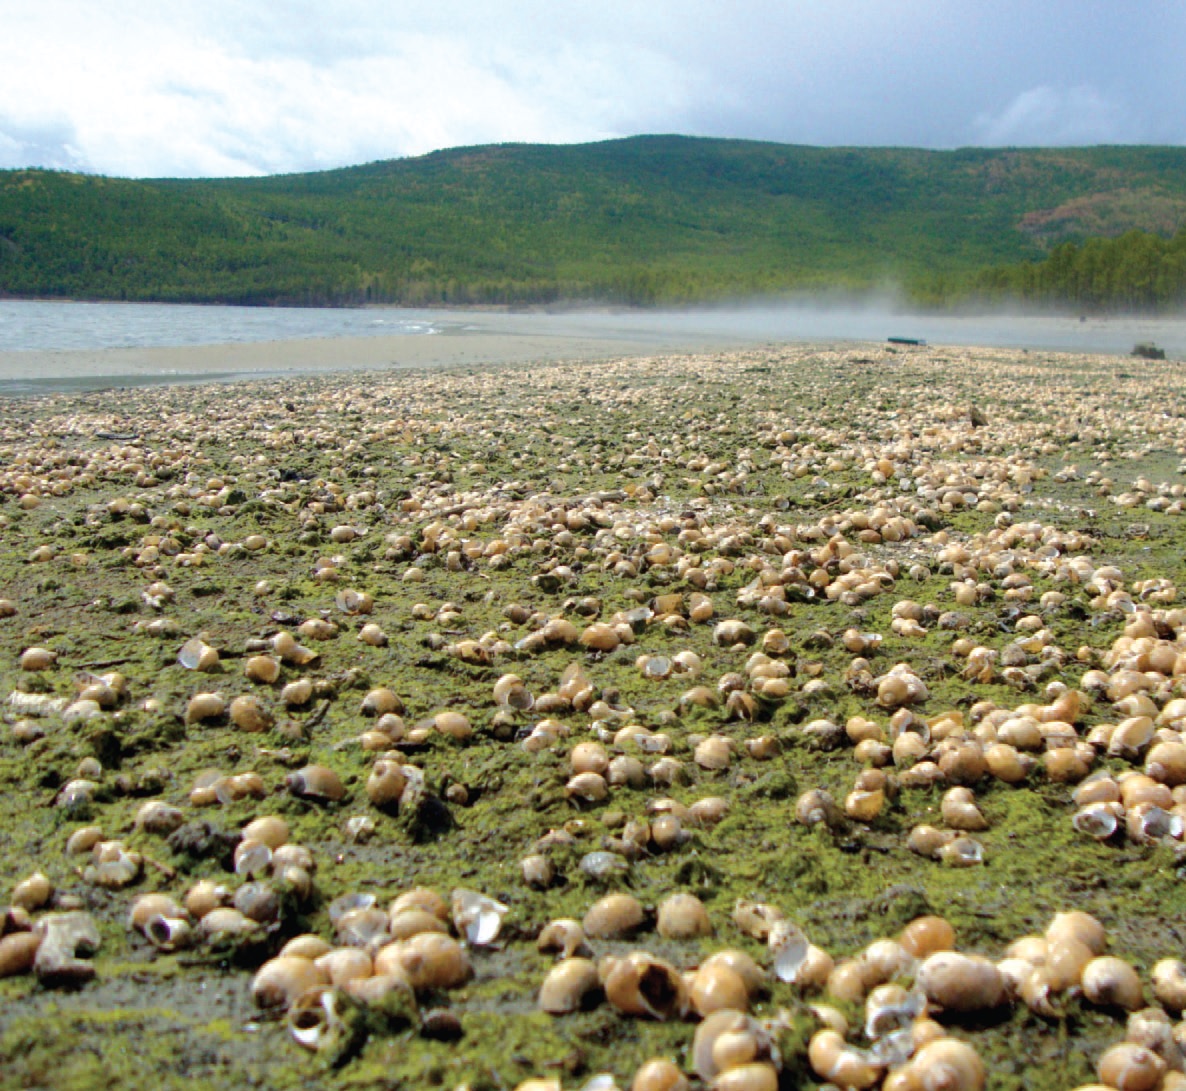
(492, 339)
(31, 372)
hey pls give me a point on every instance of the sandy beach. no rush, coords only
(45, 371)
(481, 338)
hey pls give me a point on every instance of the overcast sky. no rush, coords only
(149, 88)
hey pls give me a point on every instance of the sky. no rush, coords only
(200, 88)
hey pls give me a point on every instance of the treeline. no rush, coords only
(1136, 272)
(648, 220)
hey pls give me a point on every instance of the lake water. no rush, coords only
(67, 326)
(54, 326)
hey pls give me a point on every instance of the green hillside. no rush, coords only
(646, 219)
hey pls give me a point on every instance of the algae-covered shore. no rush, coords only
(965, 549)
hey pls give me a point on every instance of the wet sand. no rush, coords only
(48, 371)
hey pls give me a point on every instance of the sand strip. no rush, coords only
(45, 371)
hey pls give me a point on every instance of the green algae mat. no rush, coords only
(729, 626)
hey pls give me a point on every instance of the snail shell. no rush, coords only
(345, 964)
(33, 893)
(430, 960)
(753, 1076)
(708, 1050)
(742, 964)
(614, 916)
(1112, 982)
(567, 986)
(316, 782)
(832, 1059)
(947, 1064)
(18, 950)
(280, 980)
(715, 987)
(1129, 1067)
(249, 714)
(203, 707)
(960, 983)
(925, 935)
(659, 1074)
(564, 935)
(683, 916)
(641, 984)
(1169, 984)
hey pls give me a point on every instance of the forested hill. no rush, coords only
(640, 220)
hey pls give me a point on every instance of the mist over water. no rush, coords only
(66, 326)
(877, 321)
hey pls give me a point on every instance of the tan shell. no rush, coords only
(345, 964)
(248, 713)
(600, 637)
(204, 706)
(589, 757)
(148, 906)
(264, 669)
(17, 952)
(298, 693)
(32, 893)
(205, 895)
(641, 984)
(411, 922)
(1080, 926)
(269, 829)
(755, 919)
(833, 1060)
(614, 916)
(38, 659)
(1129, 1067)
(947, 1064)
(422, 897)
(431, 960)
(227, 921)
(280, 980)
(713, 753)
(564, 935)
(742, 964)
(753, 1076)
(925, 935)
(587, 788)
(538, 871)
(307, 945)
(567, 985)
(453, 725)
(659, 1074)
(386, 783)
(715, 987)
(683, 916)
(379, 701)
(723, 1036)
(1111, 982)
(960, 983)
(1065, 961)
(316, 782)
(1169, 984)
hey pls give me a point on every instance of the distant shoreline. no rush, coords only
(477, 339)
(48, 371)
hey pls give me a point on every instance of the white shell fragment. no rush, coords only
(789, 947)
(477, 917)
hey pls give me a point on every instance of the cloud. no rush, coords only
(46, 142)
(207, 87)
(207, 97)
(1052, 116)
